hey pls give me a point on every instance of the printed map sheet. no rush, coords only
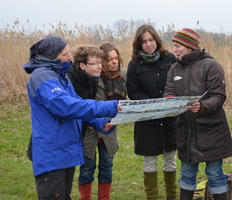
(147, 109)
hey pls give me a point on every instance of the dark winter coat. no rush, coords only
(147, 81)
(84, 86)
(93, 88)
(201, 137)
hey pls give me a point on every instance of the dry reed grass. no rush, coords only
(15, 42)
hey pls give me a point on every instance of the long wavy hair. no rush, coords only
(137, 42)
(106, 48)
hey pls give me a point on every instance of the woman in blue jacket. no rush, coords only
(57, 114)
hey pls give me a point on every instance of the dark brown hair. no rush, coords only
(106, 48)
(82, 54)
(137, 42)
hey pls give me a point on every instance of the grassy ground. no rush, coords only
(16, 178)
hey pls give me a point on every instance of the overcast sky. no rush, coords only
(215, 16)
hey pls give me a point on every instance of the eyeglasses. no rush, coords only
(96, 63)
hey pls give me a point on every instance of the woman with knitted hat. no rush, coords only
(146, 79)
(203, 132)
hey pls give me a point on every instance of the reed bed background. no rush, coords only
(16, 40)
(16, 177)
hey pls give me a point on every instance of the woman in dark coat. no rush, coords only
(203, 132)
(146, 79)
(97, 74)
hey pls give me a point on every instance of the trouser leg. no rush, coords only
(86, 177)
(56, 184)
(216, 177)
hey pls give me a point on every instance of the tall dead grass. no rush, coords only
(15, 42)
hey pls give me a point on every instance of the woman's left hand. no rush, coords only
(119, 107)
(195, 107)
(108, 126)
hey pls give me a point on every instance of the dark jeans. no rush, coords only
(55, 185)
(105, 167)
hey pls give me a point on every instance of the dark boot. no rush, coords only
(186, 194)
(150, 184)
(170, 185)
(219, 196)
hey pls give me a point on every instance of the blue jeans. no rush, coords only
(105, 167)
(216, 177)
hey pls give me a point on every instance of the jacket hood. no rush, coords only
(195, 55)
(41, 61)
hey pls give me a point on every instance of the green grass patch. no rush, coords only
(16, 177)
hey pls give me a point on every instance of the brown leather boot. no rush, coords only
(85, 191)
(104, 191)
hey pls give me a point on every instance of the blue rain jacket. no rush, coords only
(57, 114)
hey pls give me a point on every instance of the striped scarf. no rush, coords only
(114, 84)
